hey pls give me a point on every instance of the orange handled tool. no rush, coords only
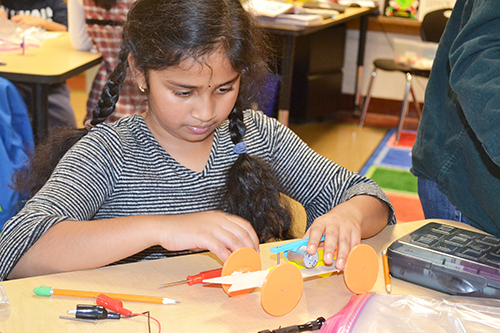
(194, 279)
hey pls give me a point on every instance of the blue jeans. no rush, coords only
(435, 204)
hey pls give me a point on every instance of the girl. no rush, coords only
(195, 172)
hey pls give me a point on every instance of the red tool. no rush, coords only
(198, 278)
(112, 304)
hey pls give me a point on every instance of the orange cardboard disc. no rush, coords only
(282, 289)
(242, 260)
(361, 269)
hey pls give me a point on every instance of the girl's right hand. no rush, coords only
(216, 231)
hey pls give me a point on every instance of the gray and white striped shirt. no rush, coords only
(120, 170)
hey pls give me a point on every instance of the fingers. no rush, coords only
(341, 235)
(247, 233)
(218, 232)
(322, 226)
(347, 242)
(331, 240)
(27, 20)
(315, 232)
(221, 251)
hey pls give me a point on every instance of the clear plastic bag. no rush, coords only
(414, 313)
(14, 36)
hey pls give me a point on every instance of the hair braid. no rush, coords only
(111, 90)
(163, 33)
(253, 192)
(237, 127)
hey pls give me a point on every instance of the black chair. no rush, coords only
(431, 29)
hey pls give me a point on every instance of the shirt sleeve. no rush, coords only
(475, 73)
(60, 12)
(316, 182)
(82, 180)
(76, 26)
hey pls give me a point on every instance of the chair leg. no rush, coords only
(404, 107)
(417, 104)
(366, 102)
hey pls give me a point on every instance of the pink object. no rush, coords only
(344, 320)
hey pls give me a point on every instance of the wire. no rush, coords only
(147, 314)
(117, 306)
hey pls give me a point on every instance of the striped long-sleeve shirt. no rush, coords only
(120, 170)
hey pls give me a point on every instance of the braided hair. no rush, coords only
(159, 34)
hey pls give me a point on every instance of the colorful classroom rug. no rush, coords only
(389, 166)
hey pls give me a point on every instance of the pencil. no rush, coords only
(387, 276)
(48, 291)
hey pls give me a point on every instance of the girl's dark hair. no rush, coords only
(106, 4)
(163, 33)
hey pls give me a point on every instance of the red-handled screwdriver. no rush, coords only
(198, 278)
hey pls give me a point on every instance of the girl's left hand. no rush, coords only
(32, 21)
(343, 227)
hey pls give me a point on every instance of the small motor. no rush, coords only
(301, 257)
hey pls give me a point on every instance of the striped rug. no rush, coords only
(389, 166)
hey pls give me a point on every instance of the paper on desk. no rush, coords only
(362, 3)
(267, 7)
(241, 281)
(300, 20)
(324, 13)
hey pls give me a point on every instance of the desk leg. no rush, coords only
(363, 27)
(286, 80)
(40, 111)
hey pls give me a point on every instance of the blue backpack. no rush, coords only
(16, 144)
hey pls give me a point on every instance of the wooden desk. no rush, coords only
(290, 33)
(202, 308)
(54, 62)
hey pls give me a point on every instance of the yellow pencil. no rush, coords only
(49, 291)
(387, 276)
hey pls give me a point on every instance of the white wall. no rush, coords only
(387, 85)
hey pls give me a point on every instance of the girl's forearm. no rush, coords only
(374, 214)
(77, 245)
(54, 26)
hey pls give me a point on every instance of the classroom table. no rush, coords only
(202, 308)
(290, 33)
(54, 61)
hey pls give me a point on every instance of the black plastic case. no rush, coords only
(448, 259)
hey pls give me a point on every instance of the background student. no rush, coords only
(53, 16)
(197, 171)
(98, 25)
(456, 156)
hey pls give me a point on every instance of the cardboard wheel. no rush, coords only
(243, 260)
(361, 269)
(282, 290)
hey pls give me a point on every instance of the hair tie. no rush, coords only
(88, 124)
(240, 148)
